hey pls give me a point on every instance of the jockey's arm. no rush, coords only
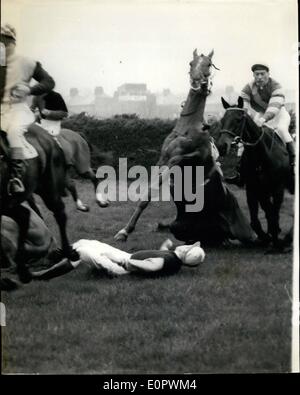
(109, 266)
(145, 265)
(56, 109)
(45, 81)
(37, 107)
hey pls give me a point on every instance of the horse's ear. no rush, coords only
(225, 104)
(211, 54)
(195, 53)
(240, 102)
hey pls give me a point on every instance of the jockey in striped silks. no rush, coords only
(264, 101)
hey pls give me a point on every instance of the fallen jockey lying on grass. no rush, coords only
(117, 262)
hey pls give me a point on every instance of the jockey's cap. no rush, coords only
(260, 66)
(9, 31)
(191, 255)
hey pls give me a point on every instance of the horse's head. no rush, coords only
(231, 125)
(200, 71)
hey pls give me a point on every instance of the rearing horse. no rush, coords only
(188, 126)
(265, 164)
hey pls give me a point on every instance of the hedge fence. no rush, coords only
(128, 136)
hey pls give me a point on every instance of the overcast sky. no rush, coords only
(87, 43)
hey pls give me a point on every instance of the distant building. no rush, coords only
(131, 98)
(80, 103)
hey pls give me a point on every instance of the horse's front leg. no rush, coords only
(122, 235)
(252, 201)
(100, 199)
(275, 219)
(73, 190)
(272, 215)
(58, 209)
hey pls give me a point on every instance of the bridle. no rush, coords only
(240, 138)
(204, 80)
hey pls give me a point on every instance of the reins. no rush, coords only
(246, 143)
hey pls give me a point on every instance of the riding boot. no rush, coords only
(292, 159)
(17, 171)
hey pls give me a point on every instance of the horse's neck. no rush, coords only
(256, 135)
(192, 111)
(253, 131)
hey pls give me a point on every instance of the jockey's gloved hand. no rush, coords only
(74, 256)
(260, 121)
(19, 91)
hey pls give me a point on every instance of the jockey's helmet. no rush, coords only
(9, 31)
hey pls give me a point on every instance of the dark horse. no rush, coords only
(46, 176)
(265, 165)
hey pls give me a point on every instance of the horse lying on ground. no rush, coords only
(37, 241)
(220, 218)
(46, 176)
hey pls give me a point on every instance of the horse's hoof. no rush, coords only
(25, 276)
(84, 208)
(103, 204)
(162, 227)
(6, 284)
(122, 235)
(262, 242)
(273, 251)
(226, 243)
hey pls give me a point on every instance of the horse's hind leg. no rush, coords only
(90, 175)
(33, 205)
(73, 190)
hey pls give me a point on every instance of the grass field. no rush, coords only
(232, 314)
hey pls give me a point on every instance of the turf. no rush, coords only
(230, 315)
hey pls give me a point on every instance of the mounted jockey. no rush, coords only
(16, 116)
(50, 109)
(264, 102)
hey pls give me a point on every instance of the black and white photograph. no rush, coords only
(149, 189)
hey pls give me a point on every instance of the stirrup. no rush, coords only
(19, 184)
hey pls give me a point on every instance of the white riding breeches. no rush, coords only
(52, 127)
(280, 123)
(15, 119)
